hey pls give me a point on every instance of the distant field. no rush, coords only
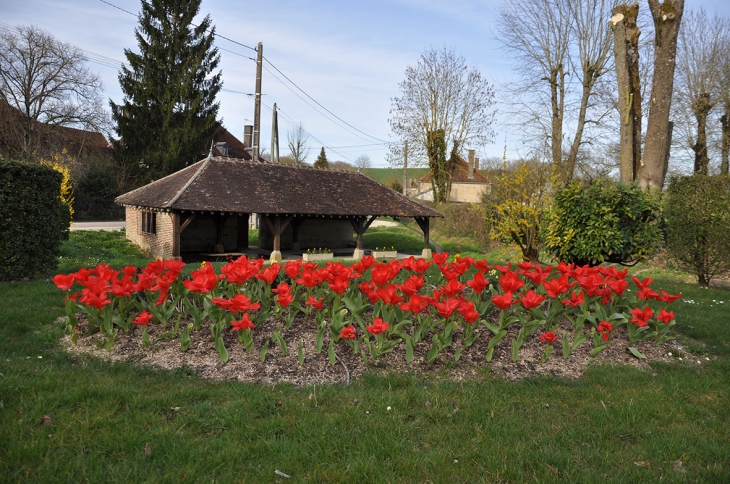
(387, 175)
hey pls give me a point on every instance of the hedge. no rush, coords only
(33, 220)
(697, 212)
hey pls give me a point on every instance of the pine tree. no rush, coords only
(169, 108)
(322, 160)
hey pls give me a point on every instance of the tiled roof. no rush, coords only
(461, 174)
(236, 148)
(221, 184)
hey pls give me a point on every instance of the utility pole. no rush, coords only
(405, 169)
(274, 136)
(257, 102)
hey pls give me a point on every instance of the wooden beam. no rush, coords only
(423, 223)
(360, 225)
(175, 234)
(187, 222)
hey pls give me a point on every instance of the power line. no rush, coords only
(91, 56)
(320, 105)
(294, 124)
(238, 92)
(118, 8)
(279, 71)
(216, 34)
(310, 105)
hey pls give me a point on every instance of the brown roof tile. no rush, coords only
(221, 184)
(461, 174)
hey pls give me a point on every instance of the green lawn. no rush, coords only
(616, 424)
(386, 176)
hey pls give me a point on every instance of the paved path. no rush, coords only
(384, 223)
(97, 225)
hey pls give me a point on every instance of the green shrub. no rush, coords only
(33, 219)
(465, 220)
(95, 194)
(697, 212)
(604, 222)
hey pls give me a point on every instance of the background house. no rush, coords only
(467, 185)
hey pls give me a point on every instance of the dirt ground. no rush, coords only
(203, 359)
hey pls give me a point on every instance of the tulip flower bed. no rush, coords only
(440, 309)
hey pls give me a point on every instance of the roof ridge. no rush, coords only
(189, 182)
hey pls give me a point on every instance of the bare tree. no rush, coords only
(46, 83)
(297, 140)
(362, 162)
(699, 80)
(724, 93)
(667, 17)
(551, 40)
(440, 93)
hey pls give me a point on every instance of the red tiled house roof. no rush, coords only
(461, 174)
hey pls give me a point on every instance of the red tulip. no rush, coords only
(378, 326)
(503, 302)
(348, 332)
(243, 324)
(549, 337)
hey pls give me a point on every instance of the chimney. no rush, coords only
(470, 175)
(248, 135)
(476, 164)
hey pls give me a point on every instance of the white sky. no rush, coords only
(349, 56)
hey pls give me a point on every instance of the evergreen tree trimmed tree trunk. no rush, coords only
(169, 109)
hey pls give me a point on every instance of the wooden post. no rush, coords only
(175, 235)
(360, 225)
(257, 103)
(276, 228)
(423, 222)
(405, 169)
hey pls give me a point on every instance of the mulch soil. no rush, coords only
(165, 353)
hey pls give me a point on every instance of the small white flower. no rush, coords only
(699, 362)
(680, 358)
(39, 357)
(669, 354)
(707, 359)
(389, 409)
(456, 461)
(367, 411)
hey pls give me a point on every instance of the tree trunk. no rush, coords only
(725, 121)
(626, 53)
(569, 168)
(701, 110)
(667, 17)
(557, 101)
(437, 164)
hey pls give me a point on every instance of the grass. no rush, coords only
(386, 176)
(542, 429)
(87, 248)
(401, 238)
